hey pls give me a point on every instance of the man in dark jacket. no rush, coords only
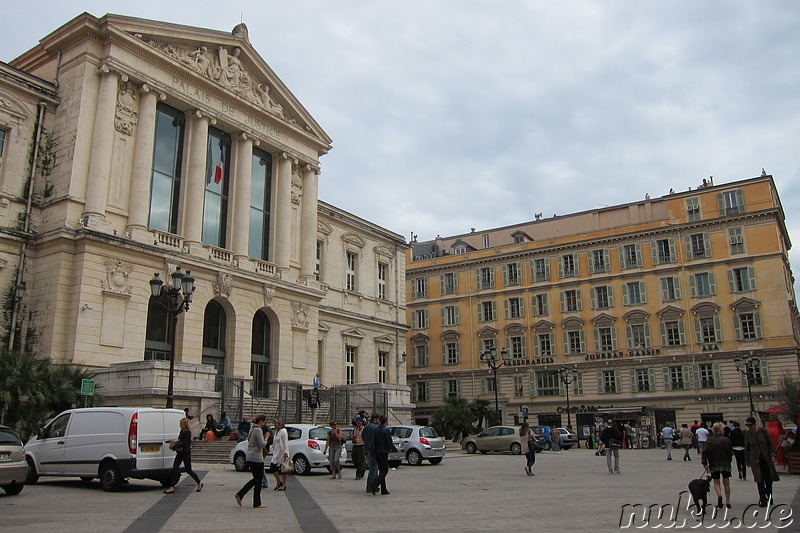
(382, 446)
(368, 434)
(612, 440)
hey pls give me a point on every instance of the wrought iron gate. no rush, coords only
(290, 405)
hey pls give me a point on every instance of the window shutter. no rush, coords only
(613, 338)
(692, 286)
(576, 261)
(427, 320)
(582, 337)
(647, 343)
(757, 322)
(577, 385)
(689, 252)
(563, 302)
(579, 299)
(651, 379)
(712, 283)
(742, 379)
(443, 314)
(623, 265)
(534, 388)
(617, 381)
(546, 302)
(629, 336)
(456, 316)
(494, 310)
(681, 332)
(643, 292)
(737, 327)
(561, 266)
(507, 308)
(698, 331)
(721, 204)
(717, 329)
(444, 353)
(590, 261)
(634, 383)
(593, 297)
(662, 328)
(442, 288)
(706, 245)
(600, 387)
(664, 291)
(639, 258)
(610, 296)
(676, 282)
(521, 302)
(751, 278)
(565, 339)
(547, 269)
(672, 254)
(596, 339)
(624, 294)
(654, 252)
(731, 281)
(480, 311)
(491, 277)
(478, 280)
(740, 200)
(667, 379)
(764, 371)
(523, 346)
(717, 373)
(537, 350)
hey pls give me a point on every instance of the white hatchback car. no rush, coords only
(306, 442)
(418, 443)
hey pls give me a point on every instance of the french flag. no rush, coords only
(221, 164)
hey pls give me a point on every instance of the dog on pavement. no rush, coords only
(699, 489)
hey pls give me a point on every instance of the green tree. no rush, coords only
(33, 390)
(479, 407)
(453, 418)
(789, 394)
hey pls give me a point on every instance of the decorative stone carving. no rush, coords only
(224, 285)
(125, 117)
(117, 273)
(269, 294)
(300, 315)
(240, 30)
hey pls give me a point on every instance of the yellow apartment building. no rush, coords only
(645, 306)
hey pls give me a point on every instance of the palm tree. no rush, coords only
(453, 418)
(481, 411)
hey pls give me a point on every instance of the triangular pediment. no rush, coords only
(218, 65)
(384, 339)
(487, 332)
(745, 302)
(514, 326)
(604, 318)
(670, 310)
(419, 338)
(543, 325)
(636, 314)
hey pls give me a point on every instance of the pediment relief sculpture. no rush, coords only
(117, 274)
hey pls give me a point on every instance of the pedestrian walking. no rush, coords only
(526, 442)
(368, 434)
(333, 447)
(685, 441)
(668, 435)
(702, 437)
(382, 446)
(280, 454)
(358, 447)
(254, 457)
(313, 404)
(737, 441)
(555, 439)
(760, 456)
(316, 383)
(182, 446)
(612, 440)
(627, 433)
(716, 456)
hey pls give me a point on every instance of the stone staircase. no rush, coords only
(217, 452)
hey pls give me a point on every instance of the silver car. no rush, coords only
(13, 467)
(494, 439)
(306, 443)
(395, 458)
(418, 443)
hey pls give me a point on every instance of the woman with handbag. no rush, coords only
(527, 442)
(255, 462)
(334, 443)
(281, 463)
(182, 446)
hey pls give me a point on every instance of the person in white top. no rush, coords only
(702, 437)
(280, 453)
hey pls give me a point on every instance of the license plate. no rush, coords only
(5, 456)
(151, 447)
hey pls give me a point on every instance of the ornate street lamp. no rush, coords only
(746, 365)
(175, 299)
(567, 378)
(490, 358)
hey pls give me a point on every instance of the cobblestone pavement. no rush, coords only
(571, 491)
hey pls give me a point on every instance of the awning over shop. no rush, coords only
(777, 410)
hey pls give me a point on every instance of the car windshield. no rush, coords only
(318, 433)
(8, 437)
(428, 432)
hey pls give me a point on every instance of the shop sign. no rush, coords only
(620, 354)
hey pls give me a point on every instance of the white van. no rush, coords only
(110, 443)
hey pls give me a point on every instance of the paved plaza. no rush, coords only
(571, 491)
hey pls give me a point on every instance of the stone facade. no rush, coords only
(97, 228)
(649, 302)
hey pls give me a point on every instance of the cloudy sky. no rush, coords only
(453, 114)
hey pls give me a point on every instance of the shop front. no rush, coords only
(640, 420)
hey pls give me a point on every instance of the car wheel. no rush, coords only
(392, 464)
(240, 462)
(86, 478)
(33, 477)
(110, 477)
(14, 488)
(470, 447)
(435, 460)
(566, 447)
(546, 446)
(301, 465)
(516, 449)
(414, 458)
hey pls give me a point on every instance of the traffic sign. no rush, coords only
(87, 387)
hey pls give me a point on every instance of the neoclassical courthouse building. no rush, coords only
(130, 147)
(647, 305)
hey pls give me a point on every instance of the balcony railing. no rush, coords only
(220, 254)
(162, 238)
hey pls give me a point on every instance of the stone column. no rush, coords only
(308, 243)
(139, 202)
(102, 146)
(283, 218)
(241, 195)
(194, 191)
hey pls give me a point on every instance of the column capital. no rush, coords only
(107, 69)
(244, 136)
(146, 88)
(308, 167)
(199, 113)
(287, 155)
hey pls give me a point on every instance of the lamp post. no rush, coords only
(490, 358)
(175, 299)
(567, 378)
(746, 366)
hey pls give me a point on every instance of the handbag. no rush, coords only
(287, 466)
(614, 444)
(343, 455)
(534, 446)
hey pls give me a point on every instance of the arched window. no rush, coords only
(260, 355)
(214, 328)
